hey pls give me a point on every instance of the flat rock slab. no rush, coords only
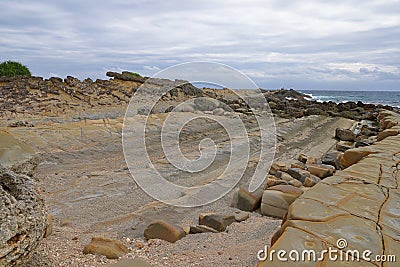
(359, 204)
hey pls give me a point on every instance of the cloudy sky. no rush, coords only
(323, 44)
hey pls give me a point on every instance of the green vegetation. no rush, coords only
(12, 69)
(136, 74)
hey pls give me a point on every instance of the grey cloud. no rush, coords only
(275, 41)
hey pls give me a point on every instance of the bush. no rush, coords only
(136, 74)
(12, 69)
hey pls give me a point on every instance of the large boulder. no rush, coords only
(23, 218)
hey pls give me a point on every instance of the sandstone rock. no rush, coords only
(298, 174)
(216, 221)
(388, 132)
(163, 230)
(333, 159)
(272, 181)
(311, 160)
(311, 181)
(278, 166)
(344, 145)
(277, 199)
(199, 229)
(136, 262)
(23, 219)
(283, 176)
(344, 134)
(299, 165)
(321, 170)
(112, 249)
(302, 158)
(349, 205)
(244, 200)
(295, 183)
(354, 155)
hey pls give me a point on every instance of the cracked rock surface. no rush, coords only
(359, 204)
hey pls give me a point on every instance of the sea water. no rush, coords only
(391, 98)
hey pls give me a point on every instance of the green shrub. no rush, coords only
(12, 69)
(136, 74)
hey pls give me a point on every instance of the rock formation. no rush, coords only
(23, 219)
(359, 204)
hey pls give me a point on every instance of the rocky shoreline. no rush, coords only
(70, 123)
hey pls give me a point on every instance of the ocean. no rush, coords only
(391, 98)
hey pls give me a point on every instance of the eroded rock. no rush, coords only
(163, 230)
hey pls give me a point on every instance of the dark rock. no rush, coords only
(333, 159)
(343, 146)
(126, 76)
(20, 124)
(199, 229)
(302, 158)
(344, 134)
(244, 200)
(216, 221)
(361, 144)
(298, 174)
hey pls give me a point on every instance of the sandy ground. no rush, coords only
(89, 191)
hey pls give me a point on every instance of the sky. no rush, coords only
(349, 45)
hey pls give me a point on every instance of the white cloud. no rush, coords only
(272, 40)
